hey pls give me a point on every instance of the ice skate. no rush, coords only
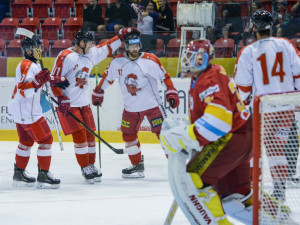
(46, 180)
(97, 173)
(88, 174)
(22, 179)
(134, 171)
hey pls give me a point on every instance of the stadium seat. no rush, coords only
(31, 23)
(2, 47)
(63, 8)
(160, 47)
(72, 25)
(46, 47)
(14, 48)
(60, 45)
(173, 48)
(224, 48)
(296, 42)
(241, 43)
(7, 28)
(79, 7)
(20, 8)
(41, 8)
(51, 27)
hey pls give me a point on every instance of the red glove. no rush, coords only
(172, 97)
(58, 81)
(97, 96)
(123, 33)
(41, 78)
(64, 105)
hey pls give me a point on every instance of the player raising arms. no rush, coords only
(76, 64)
(219, 133)
(138, 73)
(272, 65)
(26, 111)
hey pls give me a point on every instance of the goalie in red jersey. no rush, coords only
(210, 155)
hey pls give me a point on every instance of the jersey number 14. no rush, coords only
(275, 71)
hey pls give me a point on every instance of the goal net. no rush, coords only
(276, 188)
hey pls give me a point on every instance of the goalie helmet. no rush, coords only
(262, 20)
(29, 44)
(197, 50)
(83, 35)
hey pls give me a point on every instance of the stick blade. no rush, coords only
(24, 32)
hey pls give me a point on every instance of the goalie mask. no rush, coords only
(197, 56)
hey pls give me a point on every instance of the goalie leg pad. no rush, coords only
(200, 206)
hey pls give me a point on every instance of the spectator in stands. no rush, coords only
(165, 24)
(148, 26)
(248, 31)
(231, 18)
(4, 5)
(294, 26)
(118, 15)
(92, 16)
(281, 18)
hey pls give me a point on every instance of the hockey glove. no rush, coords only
(58, 81)
(64, 105)
(172, 97)
(97, 96)
(41, 78)
(123, 33)
(178, 135)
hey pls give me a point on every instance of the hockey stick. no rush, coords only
(118, 151)
(98, 120)
(31, 35)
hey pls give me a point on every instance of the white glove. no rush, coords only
(177, 135)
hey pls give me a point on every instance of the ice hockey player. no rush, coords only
(272, 65)
(138, 73)
(25, 109)
(209, 156)
(76, 64)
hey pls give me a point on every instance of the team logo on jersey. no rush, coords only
(81, 77)
(209, 91)
(132, 84)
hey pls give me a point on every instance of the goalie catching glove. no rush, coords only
(178, 135)
(97, 96)
(58, 81)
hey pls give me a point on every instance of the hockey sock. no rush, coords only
(91, 148)
(135, 159)
(23, 155)
(82, 155)
(44, 153)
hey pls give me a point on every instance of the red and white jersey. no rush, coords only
(269, 65)
(77, 68)
(25, 106)
(137, 79)
(215, 105)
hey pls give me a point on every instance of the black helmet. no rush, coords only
(29, 44)
(83, 35)
(262, 20)
(132, 39)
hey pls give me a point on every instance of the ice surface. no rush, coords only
(114, 201)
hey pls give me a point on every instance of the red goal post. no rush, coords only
(276, 197)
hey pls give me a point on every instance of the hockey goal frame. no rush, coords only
(257, 145)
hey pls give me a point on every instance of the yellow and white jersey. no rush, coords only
(269, 65)
(25, 107)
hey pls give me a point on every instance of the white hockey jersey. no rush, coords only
(77, 68)
(269, 65)
(25, 107)
(137, 79)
